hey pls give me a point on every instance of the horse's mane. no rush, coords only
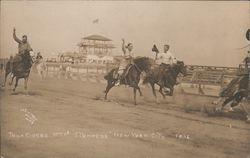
(180, 62)
(139, 58)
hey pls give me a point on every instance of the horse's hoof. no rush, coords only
(215, 103)
(248, 119)
(230, 109)
(218, 109)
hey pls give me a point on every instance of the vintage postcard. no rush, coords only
(124, 79)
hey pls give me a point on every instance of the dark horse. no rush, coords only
(21, 69)
(168, 75)
(235, 91)
(132, 76)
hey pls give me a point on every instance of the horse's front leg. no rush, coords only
(160, 90)
(16, 84)
(225, 102)
(10, 83)
(109, 86)
(153, 90)
(243, 103)
(26, 83)
(171, 90)
(139, 89)
(216, 102)
(135, 89)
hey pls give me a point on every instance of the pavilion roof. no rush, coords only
(91, 45)
(97, 37)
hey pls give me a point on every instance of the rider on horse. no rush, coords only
(23, 47)
(126, 61)
(165, 60)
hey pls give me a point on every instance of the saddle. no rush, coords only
(20, 58)
(125, 72)
(17, 58)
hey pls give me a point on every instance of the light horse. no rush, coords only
(41, 68)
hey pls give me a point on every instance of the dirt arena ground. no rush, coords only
(70, 119)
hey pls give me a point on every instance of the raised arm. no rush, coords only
(15, 37)
(123, 46)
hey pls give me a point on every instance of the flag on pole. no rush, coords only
(95, 21)
(155, 49)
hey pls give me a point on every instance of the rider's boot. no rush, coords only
(117, 83)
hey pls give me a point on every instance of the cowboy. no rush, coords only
(165, 59)
(126, 60)
(23, 47)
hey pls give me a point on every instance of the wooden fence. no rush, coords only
(197, 75)
(84, 72)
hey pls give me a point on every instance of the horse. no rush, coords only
(21, 69)
(41, 68)
(235, 92)
(132, 76)
(169, 76)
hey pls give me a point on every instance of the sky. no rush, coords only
(198, 32)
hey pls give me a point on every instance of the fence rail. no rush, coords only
(197, 74)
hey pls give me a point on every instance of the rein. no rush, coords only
(137, 67)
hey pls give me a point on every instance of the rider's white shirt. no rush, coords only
(166, 58)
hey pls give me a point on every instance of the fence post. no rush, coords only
(87, 75)
(78, 73)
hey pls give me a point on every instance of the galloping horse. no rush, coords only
(169, 75)
(234, 92)
(133, 75)
(21, 69)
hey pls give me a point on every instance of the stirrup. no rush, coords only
(117, 83)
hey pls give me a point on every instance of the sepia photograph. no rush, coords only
(124, 79)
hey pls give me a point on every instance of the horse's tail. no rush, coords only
(109, 75)
(106, 77)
